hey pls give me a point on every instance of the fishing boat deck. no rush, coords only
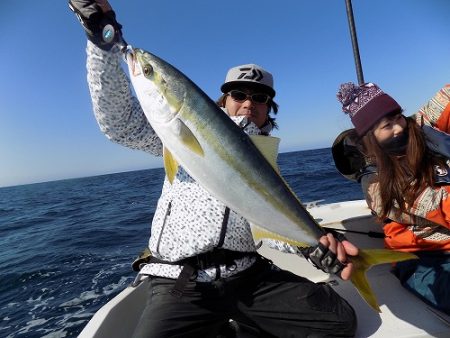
(402, 314)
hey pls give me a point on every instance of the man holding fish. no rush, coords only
(204, 268)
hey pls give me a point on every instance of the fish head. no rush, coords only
(162, 90)
(154, 87)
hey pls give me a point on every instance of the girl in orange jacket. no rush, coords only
(405, 178)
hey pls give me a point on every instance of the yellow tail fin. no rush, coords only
(364, 261)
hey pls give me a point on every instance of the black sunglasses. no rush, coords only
(239, 96)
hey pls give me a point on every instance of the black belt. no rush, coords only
(202, 261)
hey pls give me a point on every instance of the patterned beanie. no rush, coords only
(366, 104)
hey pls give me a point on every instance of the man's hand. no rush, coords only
(330, 255)
(98, 20)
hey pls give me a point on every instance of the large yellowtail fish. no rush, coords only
(200, 137)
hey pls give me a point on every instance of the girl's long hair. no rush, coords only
(402, 178)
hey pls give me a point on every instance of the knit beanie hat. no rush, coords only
(250, 75)
(366, 104)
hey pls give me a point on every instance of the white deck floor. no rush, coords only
(403, 315)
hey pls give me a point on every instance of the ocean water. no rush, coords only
(67, 246)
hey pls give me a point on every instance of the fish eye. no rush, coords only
(148, 70)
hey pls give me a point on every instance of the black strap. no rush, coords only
(186, 273)
(224, 227)
(207, 259)
(223, 231)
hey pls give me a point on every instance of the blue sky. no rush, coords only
(47, 128)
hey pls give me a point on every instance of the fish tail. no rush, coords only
(364, 261)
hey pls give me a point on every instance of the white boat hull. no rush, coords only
(403, 315)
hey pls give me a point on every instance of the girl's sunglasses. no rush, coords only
(239, 96)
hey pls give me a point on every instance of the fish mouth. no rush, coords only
(131, 60)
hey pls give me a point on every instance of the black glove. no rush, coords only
(101, 27)
(322, 258)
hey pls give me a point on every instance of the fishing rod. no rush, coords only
(360, 76)
(351, 24)
(372, 234)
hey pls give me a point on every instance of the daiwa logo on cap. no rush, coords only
(255, 74)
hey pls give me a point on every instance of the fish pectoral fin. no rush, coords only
(188, 139)
(170, 164)
(364, 261)
(260, 233)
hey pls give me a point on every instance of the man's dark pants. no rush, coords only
(271, 301)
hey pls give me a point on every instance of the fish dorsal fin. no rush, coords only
(170, 164)
(268, 146)
(188, 138)
(260, 233)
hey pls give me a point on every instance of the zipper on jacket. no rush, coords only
(169, 209)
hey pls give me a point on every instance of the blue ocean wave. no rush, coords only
(67, 245)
